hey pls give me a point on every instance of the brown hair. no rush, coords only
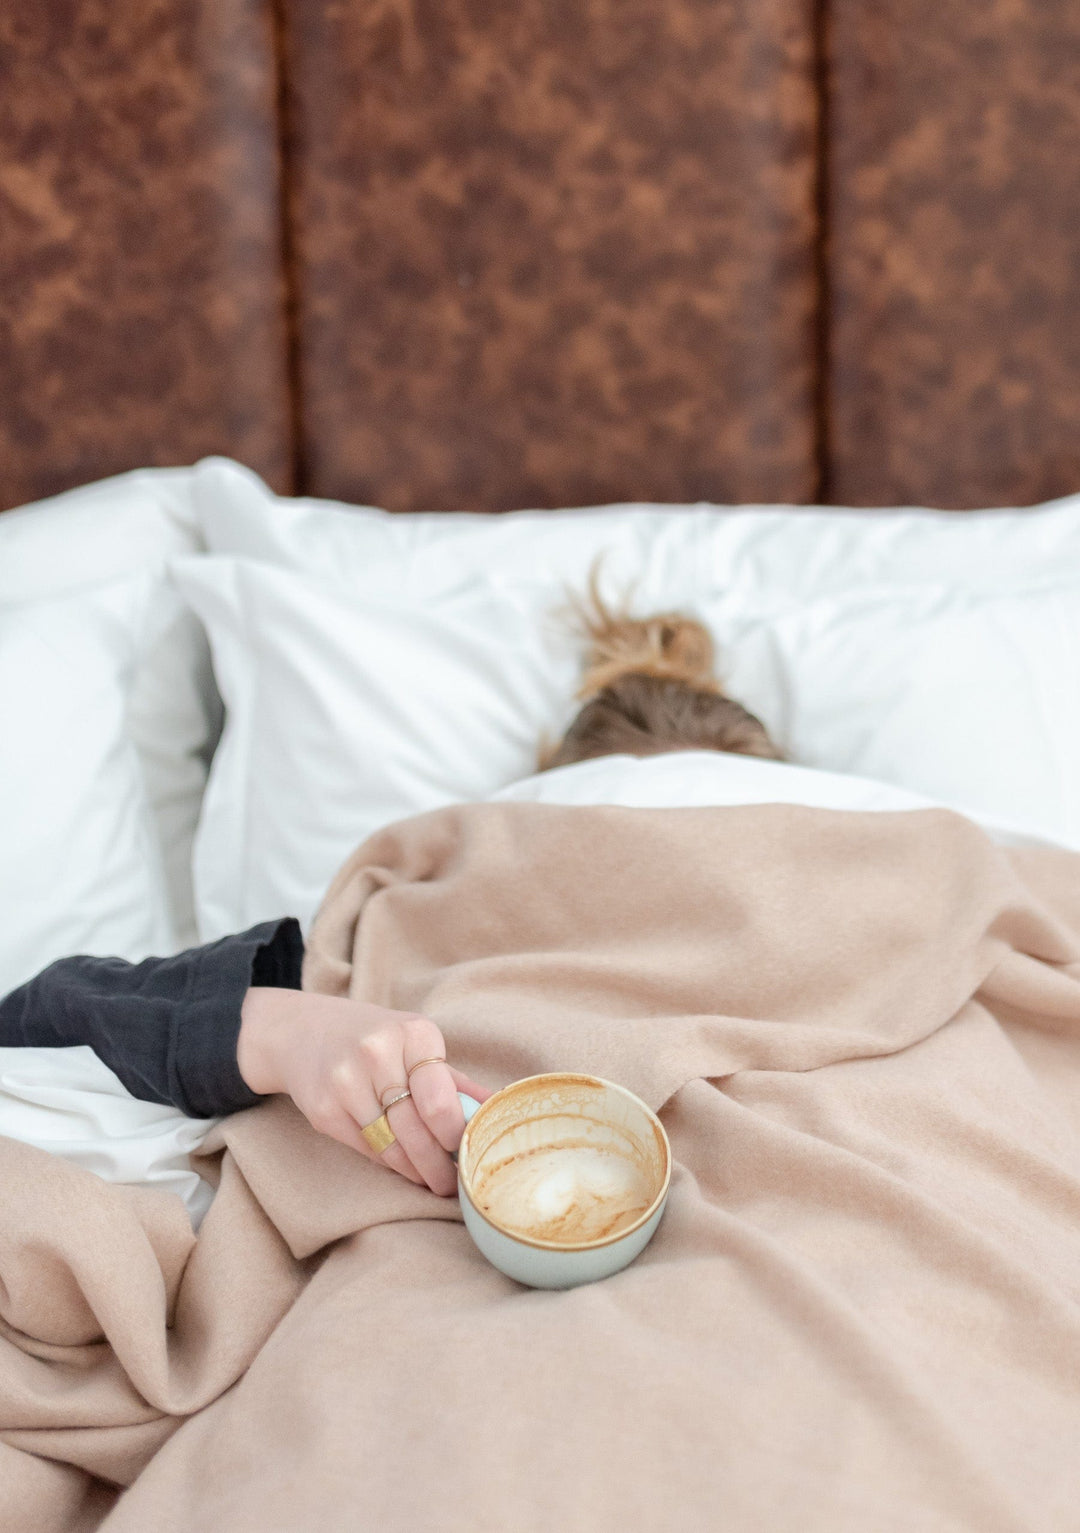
(650, 687)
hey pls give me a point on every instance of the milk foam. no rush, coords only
(568, 1192)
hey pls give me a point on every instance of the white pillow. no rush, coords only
(764, 558)
(973, 701)
(377, 665)
(346, 711)
(344, 714)
(121, 526)
(82, 865)
(93, 632)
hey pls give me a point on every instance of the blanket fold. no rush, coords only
(862, 1309)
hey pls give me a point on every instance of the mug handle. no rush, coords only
(469, 1105)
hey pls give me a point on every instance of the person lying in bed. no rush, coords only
(214, 1029)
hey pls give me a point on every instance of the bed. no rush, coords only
(669, 288)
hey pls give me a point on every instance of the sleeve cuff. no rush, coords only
(205, 1078)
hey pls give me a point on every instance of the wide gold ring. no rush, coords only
(379, 1135)
(436, 1059)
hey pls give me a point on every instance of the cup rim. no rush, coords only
(563, 1245)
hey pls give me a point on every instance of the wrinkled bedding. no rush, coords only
(862, 1309)
(70, 1102)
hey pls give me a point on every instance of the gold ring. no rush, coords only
(436, 1059)
(395, 1100)
(379, 1135)
(401, 1086)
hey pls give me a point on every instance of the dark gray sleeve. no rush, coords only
(168, 1027)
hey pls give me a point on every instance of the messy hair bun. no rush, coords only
(669, 646)
(649, 687)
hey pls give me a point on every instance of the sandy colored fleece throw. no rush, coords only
(862, 1310)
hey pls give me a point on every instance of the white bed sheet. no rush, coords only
(70, 1103)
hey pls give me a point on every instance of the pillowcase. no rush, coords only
(765, 559)
(347, 710)
(344, 714)
(82, 864)
(972, 701)
(108, 713)
(378, 665)
(120, 526)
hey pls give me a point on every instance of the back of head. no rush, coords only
(649, 687)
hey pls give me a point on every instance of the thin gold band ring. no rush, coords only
(436, 1059)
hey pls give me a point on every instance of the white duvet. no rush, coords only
(695, 779)
(68, 1102)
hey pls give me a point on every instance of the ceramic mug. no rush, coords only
(563, 1178)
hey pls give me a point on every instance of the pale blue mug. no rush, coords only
(563, 1178)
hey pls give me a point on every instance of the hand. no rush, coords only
(339, 1060)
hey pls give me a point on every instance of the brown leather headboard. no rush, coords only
(553, 253)
(486, 254)
(953, 271)
(142, 314)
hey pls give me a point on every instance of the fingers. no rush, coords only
(434, 1094)
(353, 1079)
(353, 1103)
(388, 1076)
(344, 1128)
(423, 1149)
(434, 1083)
(397, 1160)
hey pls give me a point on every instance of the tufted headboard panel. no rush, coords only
(475, 253)
(141, 289)
(553, 252)
(953, 252)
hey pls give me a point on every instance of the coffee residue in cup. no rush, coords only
(571, 1192)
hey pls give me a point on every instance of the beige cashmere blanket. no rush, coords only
(860, 1314)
